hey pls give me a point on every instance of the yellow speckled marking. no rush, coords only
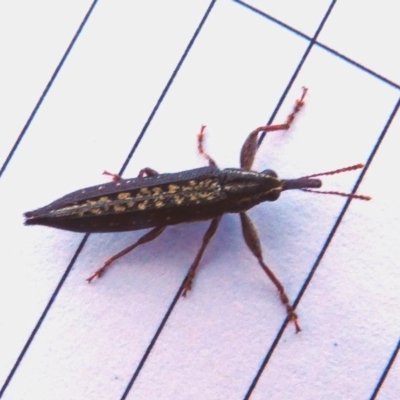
(178, 199)
(124, 195)
(96, 211)
(142, 206)
(173, 188)
(161, 197)
(206, 195)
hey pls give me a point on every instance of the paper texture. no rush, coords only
(82, 82)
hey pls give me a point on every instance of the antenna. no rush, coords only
(337, 171)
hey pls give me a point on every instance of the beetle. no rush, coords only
(154, 200)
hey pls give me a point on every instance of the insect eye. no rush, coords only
(270, 172)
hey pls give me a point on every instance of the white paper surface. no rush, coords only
(118, 338)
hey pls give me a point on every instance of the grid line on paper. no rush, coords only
(42, 317)
(47, 88)
(319, 44)
(140, 137)
(177, 296)
(3, 168)
(314, 41)
(167, 86)
(385, 372)
(321, 255)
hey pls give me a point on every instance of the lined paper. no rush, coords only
(126, 85)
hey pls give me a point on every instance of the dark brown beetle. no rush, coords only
(156, 201)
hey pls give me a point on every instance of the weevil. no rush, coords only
(154, 200)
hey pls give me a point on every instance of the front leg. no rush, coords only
(249, 148)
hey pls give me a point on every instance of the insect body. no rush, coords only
(165, 199)
(155, 201)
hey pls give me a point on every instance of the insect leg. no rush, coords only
(253, 242)
(200, 147)
(193, 269)
(147, 172)
(114, 177)
(249, 148)
(148, 237)
(143, 172)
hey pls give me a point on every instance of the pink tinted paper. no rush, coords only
(145, 76)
